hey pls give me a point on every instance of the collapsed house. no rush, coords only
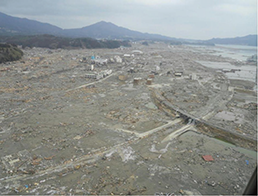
(99, 75)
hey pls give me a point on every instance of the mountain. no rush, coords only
(21, 26)
(250, 40)
(104, 30)
(108, 30)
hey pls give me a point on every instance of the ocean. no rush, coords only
(236, 52)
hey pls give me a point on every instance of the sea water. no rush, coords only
(236, 52)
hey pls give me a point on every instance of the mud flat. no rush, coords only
(244, 84)
(64, 132)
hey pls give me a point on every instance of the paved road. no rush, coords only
(152, 131)
(92, 83)
(178, 132)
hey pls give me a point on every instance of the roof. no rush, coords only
(207, 158)
(137, 51)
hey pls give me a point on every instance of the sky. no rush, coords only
(189, 19)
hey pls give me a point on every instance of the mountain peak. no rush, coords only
(104, 24)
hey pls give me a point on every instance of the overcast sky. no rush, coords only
(193, 19)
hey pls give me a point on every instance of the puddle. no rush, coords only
(130, 88)
(246, 152)
(249, 153)
(151, 106)
(247, 72)
(144, 96)
(102, 95)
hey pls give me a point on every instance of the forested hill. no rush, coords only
(249, 40)
(53, 42)
(9, 52)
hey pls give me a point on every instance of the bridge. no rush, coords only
(204, 126)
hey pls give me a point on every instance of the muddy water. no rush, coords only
(246, 72)
(238, 52)
(250, 153)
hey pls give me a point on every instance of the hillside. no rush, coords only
(21, 26)
(9, 52)
(104, 30)
(249, 40)
(108, 30)
(54, 42)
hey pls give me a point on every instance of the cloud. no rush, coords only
(236, 9)
(159, 2)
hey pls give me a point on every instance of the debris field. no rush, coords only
(91, 122)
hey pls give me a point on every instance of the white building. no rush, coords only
(89, 67)
(178, 74)
(99, 75)
(118, 59)
(94, 76)
(194, 76)
(100, 61)
(128, 55)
